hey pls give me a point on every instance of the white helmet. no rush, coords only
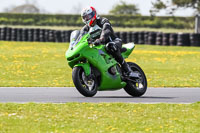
(89, 15)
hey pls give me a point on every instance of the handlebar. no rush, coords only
(90, 41)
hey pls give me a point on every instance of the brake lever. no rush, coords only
(90, 42)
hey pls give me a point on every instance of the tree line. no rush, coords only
(116, 20)
(121, 8)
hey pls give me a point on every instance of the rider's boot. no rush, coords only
(128, 70)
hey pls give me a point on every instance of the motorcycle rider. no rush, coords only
(104, 35)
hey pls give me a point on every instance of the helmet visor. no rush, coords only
(88, 16)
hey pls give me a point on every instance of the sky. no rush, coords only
(75, 6)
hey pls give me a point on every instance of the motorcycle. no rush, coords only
(96, 70)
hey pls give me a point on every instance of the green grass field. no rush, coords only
(99, 118)
(30, 64)
(44, 64)
(166, 30)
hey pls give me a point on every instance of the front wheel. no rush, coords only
(86, 86)
(138, 87)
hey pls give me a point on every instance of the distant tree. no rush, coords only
(172, 5)
(77, 9)
(30, 6)
(26, 8)
(124, 8)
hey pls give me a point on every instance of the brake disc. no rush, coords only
(88, 82)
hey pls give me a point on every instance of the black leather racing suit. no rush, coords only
(108, 37)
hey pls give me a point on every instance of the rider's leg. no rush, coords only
(114, 49)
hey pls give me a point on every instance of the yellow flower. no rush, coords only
(147, 129)
(112, 129)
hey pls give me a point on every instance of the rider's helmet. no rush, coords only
(89, 16)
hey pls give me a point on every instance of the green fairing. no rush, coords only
(85, 56)
(129, 49)
(86, 68)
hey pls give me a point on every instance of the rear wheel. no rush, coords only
(137, 87)
(86, 86)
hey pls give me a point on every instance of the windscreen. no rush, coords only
(75, 37)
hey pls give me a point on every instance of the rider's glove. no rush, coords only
(97, 42)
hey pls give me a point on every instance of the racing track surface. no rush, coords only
(69, 94)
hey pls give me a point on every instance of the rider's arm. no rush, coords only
(84, 29)
(106, 30)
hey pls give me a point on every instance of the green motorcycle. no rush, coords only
(96, 70)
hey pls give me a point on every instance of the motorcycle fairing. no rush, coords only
(129, 48)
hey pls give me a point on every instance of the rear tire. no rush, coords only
(136, 89)
(87, 87)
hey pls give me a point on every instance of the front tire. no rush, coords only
(87, 87)
(139, 87)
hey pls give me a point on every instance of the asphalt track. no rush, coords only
(69, 94)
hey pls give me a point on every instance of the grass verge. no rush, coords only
(33, 64)
(101, 117)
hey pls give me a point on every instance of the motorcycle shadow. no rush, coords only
(130, 97)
